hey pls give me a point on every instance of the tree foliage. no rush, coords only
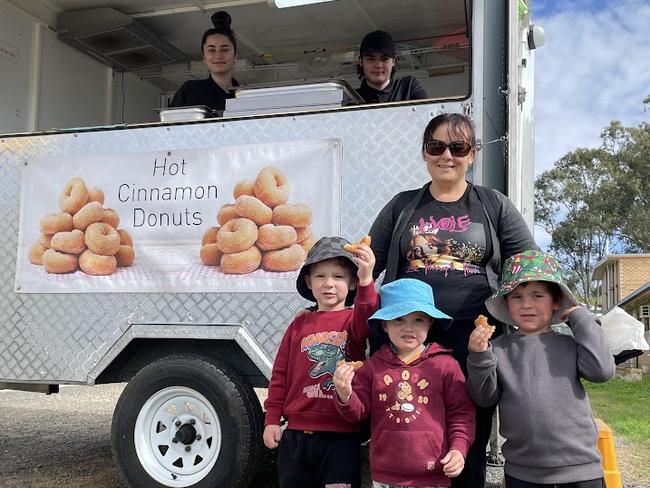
(595, 198)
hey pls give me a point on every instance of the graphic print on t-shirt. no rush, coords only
(447, 244)
(325, 350)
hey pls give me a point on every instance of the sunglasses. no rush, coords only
(435, 147)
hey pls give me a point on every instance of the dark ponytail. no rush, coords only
(221, 21)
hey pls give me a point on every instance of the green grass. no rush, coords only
(624, 407)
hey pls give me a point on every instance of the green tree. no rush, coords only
(571, 205)
(595, 198)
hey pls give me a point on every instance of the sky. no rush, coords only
(594, 68)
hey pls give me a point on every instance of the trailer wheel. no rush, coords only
(187, 421)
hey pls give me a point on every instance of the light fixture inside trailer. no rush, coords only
(293, 3)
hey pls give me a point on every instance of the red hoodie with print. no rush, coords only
(301, 387)
(418, 412)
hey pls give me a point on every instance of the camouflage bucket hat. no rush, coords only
(325, 248)
(524, 267)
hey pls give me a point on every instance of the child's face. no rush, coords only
(531, 306)
(330, 282)
(408, 332)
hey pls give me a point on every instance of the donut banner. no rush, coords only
(229, 219)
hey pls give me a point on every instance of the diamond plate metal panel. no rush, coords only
(64, 337)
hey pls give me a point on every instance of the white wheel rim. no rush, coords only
(168, 462)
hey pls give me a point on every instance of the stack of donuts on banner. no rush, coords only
(83, 235)
(260, 229)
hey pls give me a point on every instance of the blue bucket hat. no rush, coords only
(403, 296)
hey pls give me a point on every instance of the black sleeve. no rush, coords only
(381, 233)
(180, 97)
(417, 91)
(514, 235)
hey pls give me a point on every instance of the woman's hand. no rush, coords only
(365, 262)
(453, 463)
(271, 436)
(478, 339)
(343, 382)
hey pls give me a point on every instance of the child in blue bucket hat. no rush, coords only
(534, 376)
(422, 420)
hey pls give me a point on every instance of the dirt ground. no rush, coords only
(63, 440)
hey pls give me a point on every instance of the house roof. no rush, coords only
(599, 269)
(640, 296)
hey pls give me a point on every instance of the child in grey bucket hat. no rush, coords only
(301, 389)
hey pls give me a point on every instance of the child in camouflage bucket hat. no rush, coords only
(319, 447)
(534, 376)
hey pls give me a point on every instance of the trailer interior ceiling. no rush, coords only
(308, 42)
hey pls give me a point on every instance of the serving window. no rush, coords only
(320, 42)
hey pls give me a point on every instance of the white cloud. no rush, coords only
(594, 68)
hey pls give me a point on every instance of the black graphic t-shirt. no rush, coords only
(447, 245)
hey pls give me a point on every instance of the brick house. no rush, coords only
(625, 282)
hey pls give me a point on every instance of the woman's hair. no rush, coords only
(221, 21)
(458, 123)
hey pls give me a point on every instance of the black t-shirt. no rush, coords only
(447, 245)
(399, 89)
(202, 92)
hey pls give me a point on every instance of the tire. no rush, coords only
(187, 421)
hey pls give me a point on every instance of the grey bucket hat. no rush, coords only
(325, 248)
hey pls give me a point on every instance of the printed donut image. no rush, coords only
(71, 242)
(35, 253)
(84, 228)
(56, 222)
(302, 233)
(253, 209)
(227, 213)
(102, 239)
(287, 259)
(125, 256)
(74, 196)
(308, 243)
(211, 254)
(237, 235)
(282, 230)
(111, 218)
(272, 187)
(210, 236)
(46, 240)
(59, 263)
(270, 237)
(295, 215)
(241, 262)
(244, 187)
(96, 264)
(95, 195)
(88, 214)
(125, 237)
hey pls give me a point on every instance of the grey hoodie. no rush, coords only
(545, 415)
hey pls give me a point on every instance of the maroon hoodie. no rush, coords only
(418, 412)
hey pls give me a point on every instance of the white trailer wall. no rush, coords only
(47, 84)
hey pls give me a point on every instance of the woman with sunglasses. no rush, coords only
(453, 235)
(219, 51)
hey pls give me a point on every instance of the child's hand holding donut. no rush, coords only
(478, 339)
(343, 381)
(365, 262)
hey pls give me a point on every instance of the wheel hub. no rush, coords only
(186, 434)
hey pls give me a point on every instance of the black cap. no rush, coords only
(377, 41)
(325, 248)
